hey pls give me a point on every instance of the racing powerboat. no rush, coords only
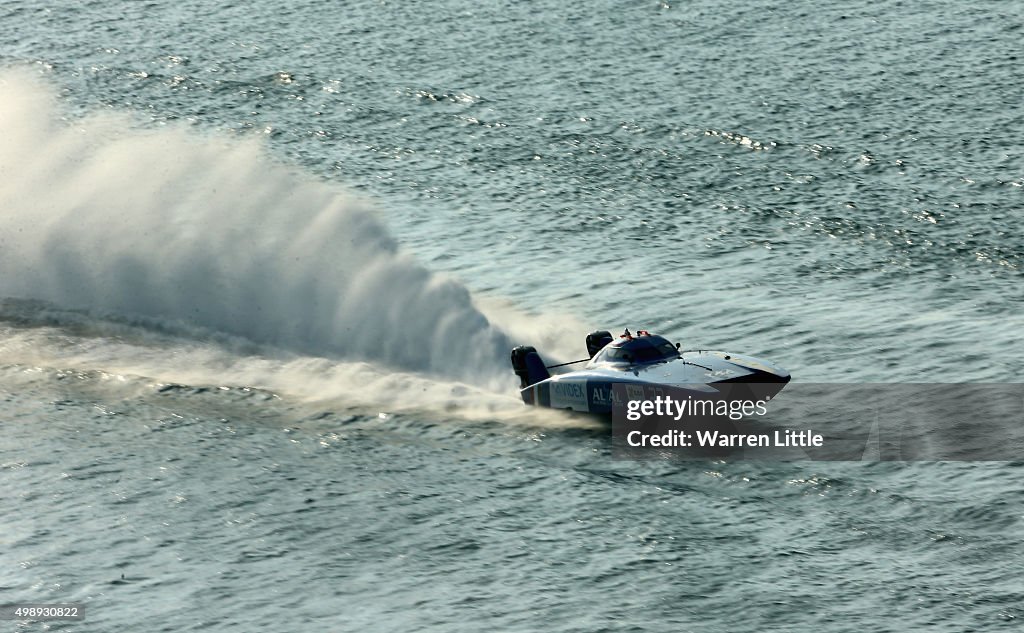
(641, 366)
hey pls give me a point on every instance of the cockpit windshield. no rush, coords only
(647, 349)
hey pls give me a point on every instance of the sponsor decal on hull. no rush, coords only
(569, 395)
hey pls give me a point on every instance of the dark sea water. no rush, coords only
(261, 265)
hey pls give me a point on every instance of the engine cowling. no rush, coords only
(597, 340)
(529, 366)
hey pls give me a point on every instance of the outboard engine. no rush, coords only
(527, 364)
(597, 340)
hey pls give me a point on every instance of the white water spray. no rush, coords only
(204, 232)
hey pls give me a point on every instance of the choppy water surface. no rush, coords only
(235, 399)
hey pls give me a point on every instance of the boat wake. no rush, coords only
(191, 257)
